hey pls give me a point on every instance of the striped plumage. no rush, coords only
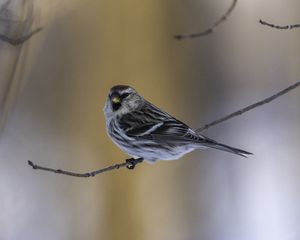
(143, 130)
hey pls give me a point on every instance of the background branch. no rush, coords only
(210, 29)
(278, 26)
(20, 40)
(248, 108)
(131, 163)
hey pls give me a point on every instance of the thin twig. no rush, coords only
(246, 109)
(210, 29)
(20, 40)
(131, 163)
(278, 26)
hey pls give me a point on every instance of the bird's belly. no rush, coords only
(152, 152)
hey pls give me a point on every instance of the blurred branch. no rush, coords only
(4, 6)
(250, 107)
(278, 26)
(210, 29)
(131, 163)
(21, 40)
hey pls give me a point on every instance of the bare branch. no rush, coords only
(250, 107)
(278, 26)
(210, 29)
(21, 40)
(131, 163)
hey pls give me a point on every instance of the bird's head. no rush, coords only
(121, 100)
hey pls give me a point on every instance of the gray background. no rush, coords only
(54, 117)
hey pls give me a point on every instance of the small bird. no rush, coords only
(144, 131)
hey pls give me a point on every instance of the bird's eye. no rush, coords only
(125, 95)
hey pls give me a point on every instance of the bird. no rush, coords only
(146, 132)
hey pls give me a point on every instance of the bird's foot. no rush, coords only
(131, 162)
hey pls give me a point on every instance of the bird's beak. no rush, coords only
(116, 100)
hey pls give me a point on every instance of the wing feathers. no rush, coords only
(143, 130)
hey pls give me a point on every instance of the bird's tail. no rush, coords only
(212, 144)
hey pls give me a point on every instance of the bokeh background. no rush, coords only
(53, 88)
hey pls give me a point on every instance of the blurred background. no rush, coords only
(53, 89)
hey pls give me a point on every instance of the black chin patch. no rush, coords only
(116, 106)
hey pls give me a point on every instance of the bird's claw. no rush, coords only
(130, 163)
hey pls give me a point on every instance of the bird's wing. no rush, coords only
(136, 125)
(156, 125)
(145, 129)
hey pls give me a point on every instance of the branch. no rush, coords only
(131, 163)
(20, 40)
(210, 29)
(250, 107)
(278, 26)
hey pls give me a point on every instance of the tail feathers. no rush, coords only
(226, 148)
